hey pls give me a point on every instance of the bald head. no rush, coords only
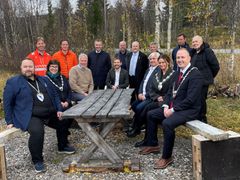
(183, 58)
(135, 46)
(197, 41)
(27, 68)
(122, 46)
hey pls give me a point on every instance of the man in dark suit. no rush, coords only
(29, 103)
(181, 104)
(99, 62)
(117, 77)
(122, 53)
(205, 60)
(137, 64)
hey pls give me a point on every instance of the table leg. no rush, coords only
(99, 142)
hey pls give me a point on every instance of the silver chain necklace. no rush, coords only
(160, 84)
(59, 87)
(174, 92)
(40, 95)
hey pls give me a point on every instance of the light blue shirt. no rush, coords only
(133, 64)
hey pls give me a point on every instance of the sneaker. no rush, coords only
(67, 150)
(39, 167)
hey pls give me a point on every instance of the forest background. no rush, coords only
(145, 21)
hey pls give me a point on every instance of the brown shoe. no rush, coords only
(150, 149)
(163, 163)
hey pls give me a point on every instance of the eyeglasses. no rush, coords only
(55, 67)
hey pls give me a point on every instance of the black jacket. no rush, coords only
(123, 79)
(206, 62)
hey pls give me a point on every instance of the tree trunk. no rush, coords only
(169, 30)
(157, 22)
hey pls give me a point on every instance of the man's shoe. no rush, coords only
(163, 163)
(150, 149)
(133, 133)
(39, 167)
(67, 150)
(140, 143)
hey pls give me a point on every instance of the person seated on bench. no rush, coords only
(117, 77)
(181, 104)
(143, 93)
(81, 79)
(158, 90)
(29, 104)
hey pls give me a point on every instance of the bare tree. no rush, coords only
(157, 22)
(169, 30)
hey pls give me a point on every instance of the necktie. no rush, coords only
(180, 76)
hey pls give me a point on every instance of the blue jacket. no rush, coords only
(18, 101)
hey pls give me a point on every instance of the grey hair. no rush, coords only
(82, 55)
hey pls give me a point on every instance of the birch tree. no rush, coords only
(169, 30)
(157, 22)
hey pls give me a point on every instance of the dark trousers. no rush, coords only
(96, 87)
(36, 131)
(156, 116)
(203, 110)
(133, 84)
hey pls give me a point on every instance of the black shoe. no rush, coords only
(140, 143)
(133, 133)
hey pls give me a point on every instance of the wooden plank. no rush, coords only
(82, 106)
(9, 133)
(99, 104)
(107, 108)
(99, 141)
(207, 130)
(121, 108)
(90, 150)
(3, 169)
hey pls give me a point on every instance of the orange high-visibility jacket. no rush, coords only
(40, 62)
(66, 61)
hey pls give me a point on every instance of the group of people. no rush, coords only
(162, 95)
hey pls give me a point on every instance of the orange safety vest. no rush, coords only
(40, 61)
(67, 61)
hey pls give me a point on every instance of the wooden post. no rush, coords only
(3, 169)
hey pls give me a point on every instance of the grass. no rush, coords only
(223, 113)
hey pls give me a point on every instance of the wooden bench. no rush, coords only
(4, 137)
(216, 153)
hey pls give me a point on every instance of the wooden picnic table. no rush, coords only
(106, 107)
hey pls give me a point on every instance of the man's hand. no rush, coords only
(64, 104)
(9, 126)
(59, 115)
(141, 97)
(167, 112)
(85, 94)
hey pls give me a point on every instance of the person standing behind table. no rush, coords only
(40, 57)
(122, 53)
(66, 58)
(181, 104)
(117, 77)
(137, 64)
(80, 79)
(205, 60)
(30, 102)
(153, 47)
(181, 43)
(99, 62)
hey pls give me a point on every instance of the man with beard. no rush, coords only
(29, 104)
(117, 77)
(122, 53)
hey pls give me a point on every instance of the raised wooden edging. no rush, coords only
(4, 136)
(208, 131)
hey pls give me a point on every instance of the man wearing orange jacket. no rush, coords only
(40, 57)
(66, 58)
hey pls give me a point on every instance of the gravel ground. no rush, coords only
(19, 165)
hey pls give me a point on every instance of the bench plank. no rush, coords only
(96, 107)
(107, 108)
(8, 134)
(82, 106)
(207, 130)
(121, 108)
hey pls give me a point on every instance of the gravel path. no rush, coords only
(19, 166)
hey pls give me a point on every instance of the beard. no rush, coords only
(28, 74)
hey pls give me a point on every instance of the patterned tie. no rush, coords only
(180, 77)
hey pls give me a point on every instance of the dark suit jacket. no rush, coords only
(187, 102)
(154, 92)
(18, 101)
(149, 83)
(141, 67)
(123, 79)
(100, 64)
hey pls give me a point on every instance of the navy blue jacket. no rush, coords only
(174, 54)
(149, 83)
(18, 100)
(100, 64)
(187, 102)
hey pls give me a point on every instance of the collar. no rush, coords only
(185, 69)
(135, 53)
(118, 70)
(44, 52)
(63, 53)
(152, 68)
(98, 51)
